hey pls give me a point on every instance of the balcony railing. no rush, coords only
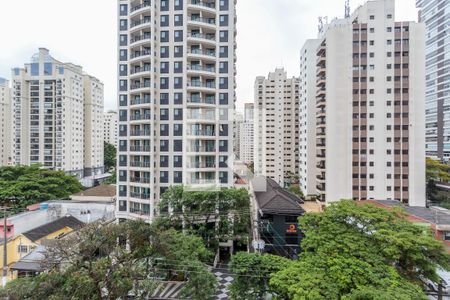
(137, 7)
(140, 164)
(208, 36)
(203, 52)
(140, 38)
(211, 21)
(201, 165)
(140, 133)
(201, 100)
(211, 85)
(140, 117)
(202, 116)
(204, 3)
(140, 86)
(138, 101)
(140, 22)
(140, 196)
(140, 148)
(140, 179)
(202, 149)
(137, 54)
(202, 132)
(201, 68)
(202, 181)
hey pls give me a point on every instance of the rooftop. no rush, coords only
(46, 229)
(98, 191)
(273, 199)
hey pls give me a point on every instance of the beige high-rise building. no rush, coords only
(5, 123)
(176, 99)
(307, 113)
(111, 127)
(370, 139)
(276, 126)
(58, 116)
(246, 135)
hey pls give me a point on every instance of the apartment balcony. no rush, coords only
(320, 188)
(201, 165)
(321, 92)
(321, 81)
(140, 39)
(198, 70)
(200, 149)
(140, 101)
(135, 133)
(140, 71)
(201, 134)
(203, 22)
(201, 101)
(140, 180)
(321, 124)
(321, 50)
(209, 55)
(321, 144)
(201, 86)
(144, 7)
(145, 149)
(321, 102)
(206, 182)
(140, 196)
(320, 178)
(321, 165)
(140, 87)
(201, 117)
(320, 113)
(141, 117)
(321, 61)
(140, 164)
(138, 25)
(208, 38)
(136, 56)
(209, 6)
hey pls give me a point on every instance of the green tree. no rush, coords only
(212, 215)
(110, 156)
(97, 266)
(33, 184)
(252, 272)
(295, 189)
(351, 251)
(437, 171)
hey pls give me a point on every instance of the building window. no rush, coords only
(446, 235)
(291, 219)
(22, 249)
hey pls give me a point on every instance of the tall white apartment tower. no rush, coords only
(276, 126)
(307, 113)
(436, 17)
(238, 120)
(246, 129)
(176, 99)
(5, 123)
(58, 120)
(371, 107)
(111, 127)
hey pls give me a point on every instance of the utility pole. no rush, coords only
(5, 250)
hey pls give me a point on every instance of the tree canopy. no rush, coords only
(212, 215)
(354, 250)
(92, 264)
(110, 156)
(437, 171)
(32, 184)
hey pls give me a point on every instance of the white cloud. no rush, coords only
(270, 34)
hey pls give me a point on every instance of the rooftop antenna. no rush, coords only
(347, 9)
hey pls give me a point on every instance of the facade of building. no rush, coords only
(275, 214)
(276, 126)
(246, 138)
(111, 128)
(435, 14)
(176, 99)
(370, 134)
(57, 120)
(5, 123)
(238, 120)
(307, 123)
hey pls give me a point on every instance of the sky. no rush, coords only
(270, 34)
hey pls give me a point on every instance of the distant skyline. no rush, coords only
(270, 34)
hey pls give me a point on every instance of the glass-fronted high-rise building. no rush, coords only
(176, 82)
(435, 14)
